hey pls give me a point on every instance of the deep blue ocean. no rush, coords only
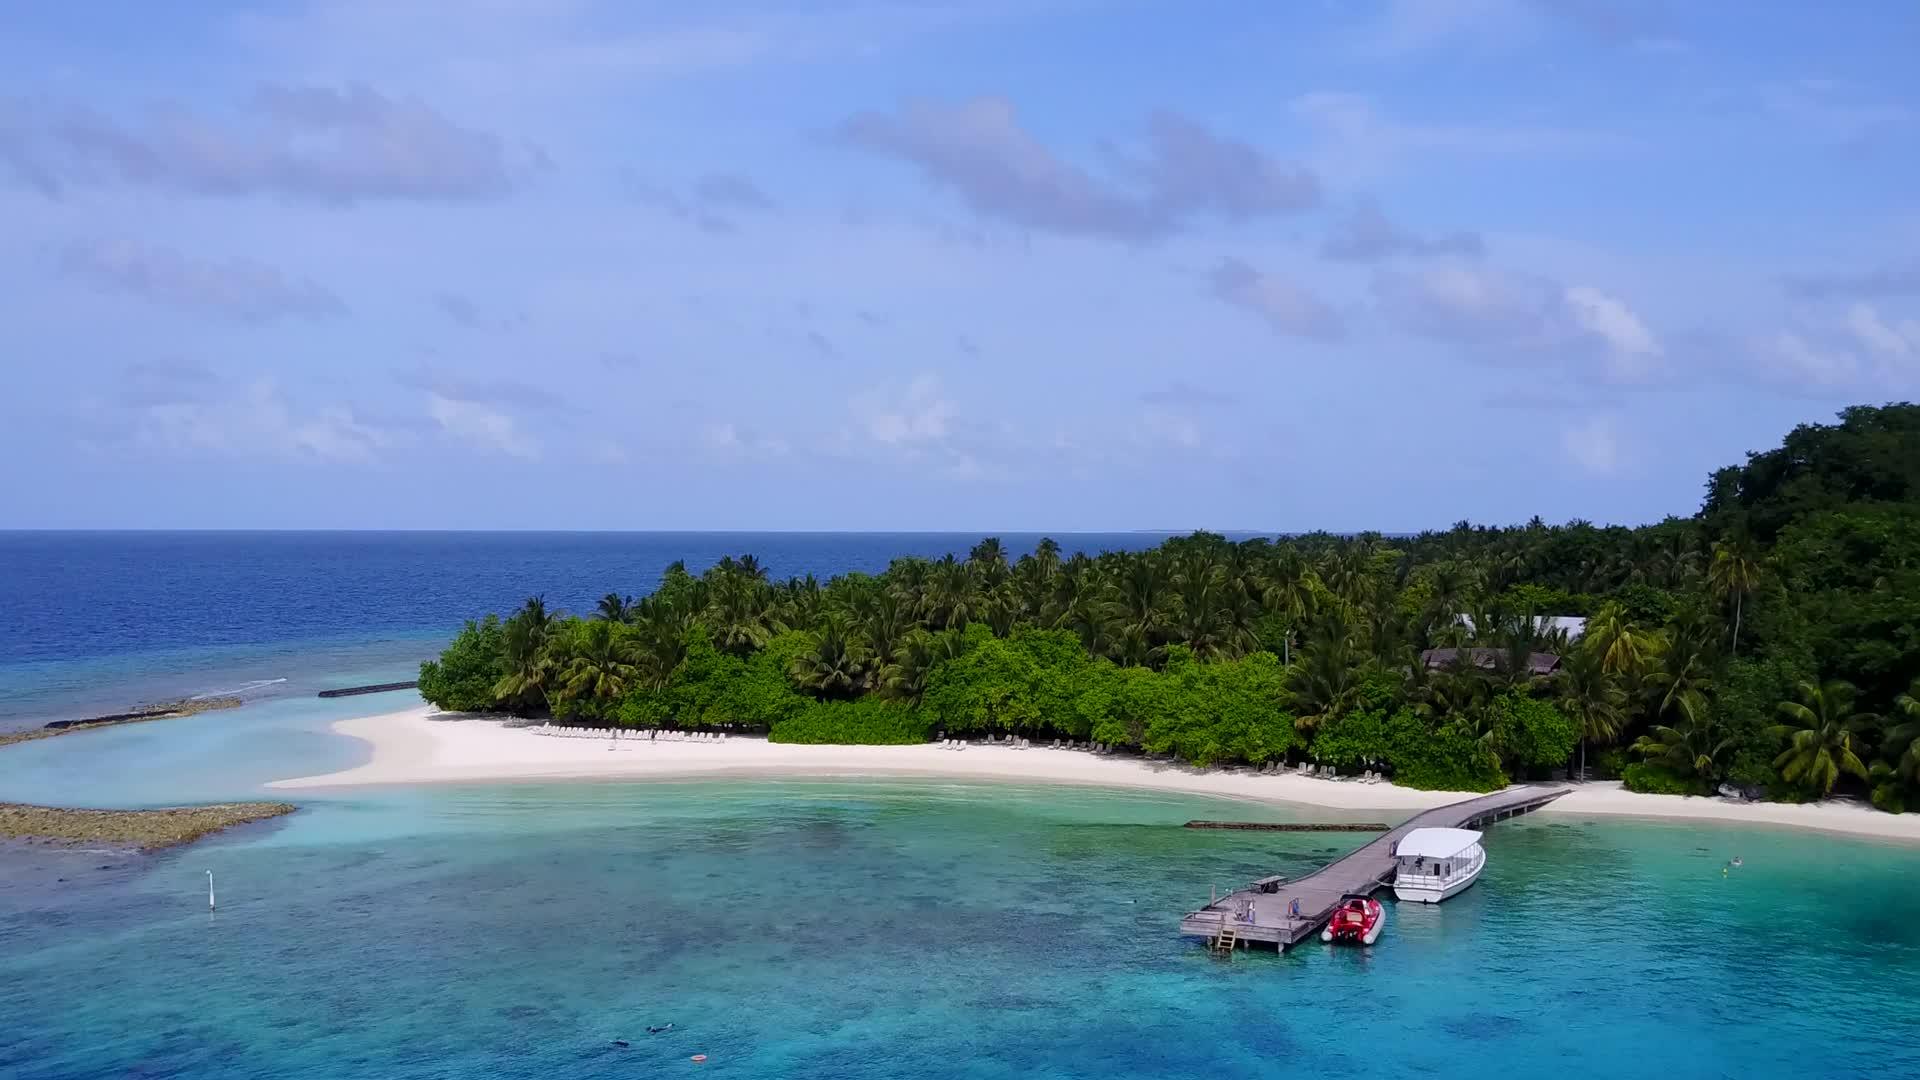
(93, 622)
(831, 929)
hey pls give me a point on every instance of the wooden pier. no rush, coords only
(1293, 826)
(1271, 901)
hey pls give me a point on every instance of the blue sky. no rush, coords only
(1049, 265)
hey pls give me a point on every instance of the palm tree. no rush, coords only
(905, 677)
(1089, 614)
(1518, 638)
(800, 600)
(739, 613)
(1624, 648)
(1733, 574)
(1202, 617)
(614, 608)
(1140, 597)
(1592, 697)
(1456, 588)
(529, 660)
(952, 598)
(660, 631)
(1692, 745)
(1684, 662)
(1327, 679)
(1047, 553)
(534, 612)
(884, 624)
(1287, 587)
(1897, 775)
(1033, 584)
(909, 577)
(1457, 699)
(990, 556)
(1001, 609)
(1820, 729)
(1346, 573)
(834, 668)
(601, 664)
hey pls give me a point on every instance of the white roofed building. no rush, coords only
(1574, 626)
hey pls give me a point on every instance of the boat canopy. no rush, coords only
(1435, 843)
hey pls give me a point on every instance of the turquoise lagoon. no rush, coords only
(849, 930)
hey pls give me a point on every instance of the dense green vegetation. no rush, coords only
(1771, 641)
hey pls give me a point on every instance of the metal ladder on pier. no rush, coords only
(1223, 942)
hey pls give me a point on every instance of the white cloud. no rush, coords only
(1284, 304)
(981, 151)
(921, 415)
(1358, 140)
(254, 422)
(1482, 307)
(234, 288)
(1632, 348)
(481, 426)
(1407, 26)
(1862, 353)
(1901, 341)
(315, 143)
(727, 441)
(1365, 234)
(1593, 445)
(1803, 362)
(1471, 305)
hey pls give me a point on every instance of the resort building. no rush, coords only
(1574, 626)
(1539, 664)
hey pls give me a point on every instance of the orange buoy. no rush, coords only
(697, 1058)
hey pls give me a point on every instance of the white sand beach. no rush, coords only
(424, 746)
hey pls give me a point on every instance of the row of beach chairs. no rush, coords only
(1011, 742)
(1321, 772)
(564, 731)
(1015, 742)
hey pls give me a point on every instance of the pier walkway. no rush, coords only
(1361, 873)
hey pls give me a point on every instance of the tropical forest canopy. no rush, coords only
(1771, 641)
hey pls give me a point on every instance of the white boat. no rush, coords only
(1433, 864)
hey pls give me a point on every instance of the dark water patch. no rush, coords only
(1482, 1025)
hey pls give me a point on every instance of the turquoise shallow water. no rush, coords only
(853, 930)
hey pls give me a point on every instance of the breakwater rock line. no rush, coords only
(168, 710)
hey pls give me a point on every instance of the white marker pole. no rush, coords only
(209, 890)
